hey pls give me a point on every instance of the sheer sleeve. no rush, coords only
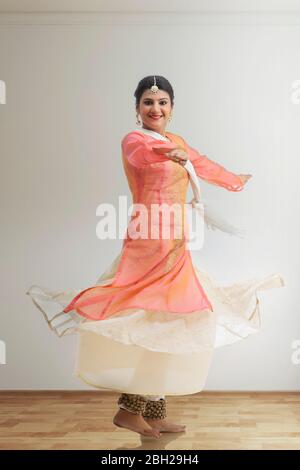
(213, 172)
(139, 151)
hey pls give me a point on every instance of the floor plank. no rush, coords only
(214, 420)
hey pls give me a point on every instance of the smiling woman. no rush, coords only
(155, 105)
(148, 327)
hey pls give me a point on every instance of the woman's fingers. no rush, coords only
(178, 155)
(162, 150)
(245, 178)
(177, 159)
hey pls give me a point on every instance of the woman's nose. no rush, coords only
(155, 110)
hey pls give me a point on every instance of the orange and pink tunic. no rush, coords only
(156, 274)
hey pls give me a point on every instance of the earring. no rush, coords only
(170, 118)
(138, 122)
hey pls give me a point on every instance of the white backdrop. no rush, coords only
(69, 101)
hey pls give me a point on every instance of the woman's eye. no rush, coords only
(149, 103)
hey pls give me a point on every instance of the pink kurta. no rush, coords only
(156, 274)
(150, 323)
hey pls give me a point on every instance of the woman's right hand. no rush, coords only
(176, 154)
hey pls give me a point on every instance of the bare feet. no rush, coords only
(134, 422)
(163, 425)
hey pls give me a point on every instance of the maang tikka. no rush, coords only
(154, 87)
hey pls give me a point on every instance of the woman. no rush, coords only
(148, 327)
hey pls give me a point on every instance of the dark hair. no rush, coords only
(147, 82)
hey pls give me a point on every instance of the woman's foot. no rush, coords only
(163, 425)
(134, 422)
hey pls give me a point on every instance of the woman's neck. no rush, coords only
(161, 133)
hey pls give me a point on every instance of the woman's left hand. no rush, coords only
(245, 178)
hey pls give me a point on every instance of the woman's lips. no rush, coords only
(155, 117)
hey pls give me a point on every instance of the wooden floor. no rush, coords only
(214, 420)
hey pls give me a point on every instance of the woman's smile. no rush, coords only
(155, 117)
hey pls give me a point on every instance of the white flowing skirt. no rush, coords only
(155, 353)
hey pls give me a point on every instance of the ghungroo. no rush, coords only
(156, 409)
(134, 403)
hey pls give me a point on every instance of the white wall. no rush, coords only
(70, 82)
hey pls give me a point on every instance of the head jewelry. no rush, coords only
(154, 87)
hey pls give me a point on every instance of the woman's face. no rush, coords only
(155, 104)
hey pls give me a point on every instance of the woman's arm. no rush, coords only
(212, 172)
(140, 152)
